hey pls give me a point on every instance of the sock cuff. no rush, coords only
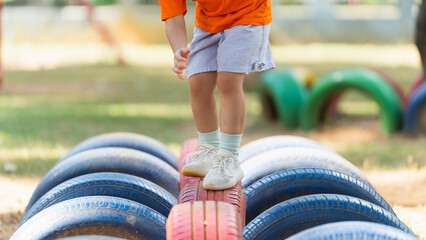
(212, 134)
(211, 138)
(230, 137)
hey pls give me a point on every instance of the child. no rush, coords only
(231, 39)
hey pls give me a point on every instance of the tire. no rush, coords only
(127, 140)
(353, 230)
(417, 83)
(107, 184)
(94, 215)
(262, 145)
(121, 160)
(395, 85)
(284, 185)
(183, 180)
(413, 115)
(364, 80)
(295, 215)
(204, 220)
(296, 157)
(194, 191)
(91, 237)
(282, 93)
(331, 106)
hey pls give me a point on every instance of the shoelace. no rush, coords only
(224, 165)
(203, 151)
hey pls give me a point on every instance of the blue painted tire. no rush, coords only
(417, 105)
(262, 145)
(121, 160)
(111, 216)
(127, 140)
(91, 237)
(276, 160)
(353, 230)
(284, 185)
(297, 214)
(107, 184)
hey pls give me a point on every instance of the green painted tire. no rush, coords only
(365, 80)
(282, 94)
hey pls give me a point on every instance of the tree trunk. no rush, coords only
(421, 34)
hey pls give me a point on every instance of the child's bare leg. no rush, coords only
(204, 109)
(232, 102)
(203, 102)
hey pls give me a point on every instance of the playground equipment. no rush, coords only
(284, 185)
(292, 184)
(353, 230)
(296, 157)
(416, 84)
(107, 184)
(262, 145)
(282, 95)
(364, 80)
(127, 140)
(120, 160)
(204, 220)
(415, 116)
(95, 215)
(286, 98)
(297, 214)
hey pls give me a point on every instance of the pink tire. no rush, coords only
(184, 179)
(194, 191)
(204, 221)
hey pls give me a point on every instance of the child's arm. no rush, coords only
(176, 33)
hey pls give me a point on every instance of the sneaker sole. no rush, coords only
(190, 172)
(213, 187)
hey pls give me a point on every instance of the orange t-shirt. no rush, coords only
(217, 15)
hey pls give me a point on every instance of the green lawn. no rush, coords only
(45, 113)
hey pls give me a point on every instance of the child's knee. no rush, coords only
(201, 88)
(229, 85)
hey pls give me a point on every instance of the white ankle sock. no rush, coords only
(230, 142)
(211, 138)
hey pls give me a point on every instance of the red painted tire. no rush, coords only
(417, 83)
(396, 86)
(194, 191)
(187, 147)
(205, 221)
(184, 179)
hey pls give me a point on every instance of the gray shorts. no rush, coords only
(241, 49)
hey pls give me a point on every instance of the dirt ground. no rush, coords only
(404, 190)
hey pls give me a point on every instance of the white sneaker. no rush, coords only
(201, 162)
(225, 173)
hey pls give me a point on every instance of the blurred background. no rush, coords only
(73, 69)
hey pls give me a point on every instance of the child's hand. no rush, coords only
(181, 61)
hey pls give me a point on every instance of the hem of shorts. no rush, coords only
(201, 70)
(246, 70)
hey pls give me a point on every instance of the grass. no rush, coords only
(45, 113)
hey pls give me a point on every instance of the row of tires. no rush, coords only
(285, 96)
(294, 188)
(120, 185)
(127, 186)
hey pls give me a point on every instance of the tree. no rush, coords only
(421, 34)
